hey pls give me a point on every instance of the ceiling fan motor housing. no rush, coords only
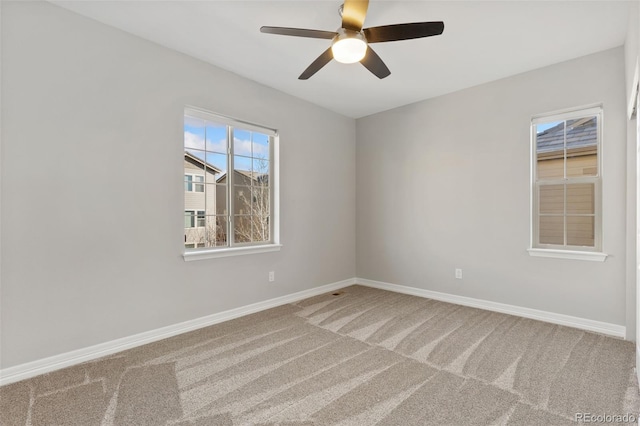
(350, 43)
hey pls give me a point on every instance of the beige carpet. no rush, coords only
(362, 357)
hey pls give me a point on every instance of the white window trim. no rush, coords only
(535, 249)
(248, 248)
(200, 254)
(593, 256)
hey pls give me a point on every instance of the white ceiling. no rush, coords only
(482, 41)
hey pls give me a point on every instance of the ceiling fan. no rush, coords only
(350, 42)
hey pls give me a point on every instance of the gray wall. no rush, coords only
(92, 231)
(631, 47)
(444, 184)
(92, 187)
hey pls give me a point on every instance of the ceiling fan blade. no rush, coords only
(353, 14)
(373, 63)
(316, 65)
(298, 32)
(403, 31)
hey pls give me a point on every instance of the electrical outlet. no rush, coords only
(272, 276)
(459, 273)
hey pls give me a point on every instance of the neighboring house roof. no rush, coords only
(201, 163)
(581, 134)
(249, 174)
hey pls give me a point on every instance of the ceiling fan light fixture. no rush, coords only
(349, 46)
(350, 42)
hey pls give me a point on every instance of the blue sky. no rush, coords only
(544, 126)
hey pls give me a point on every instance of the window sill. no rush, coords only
(568, 254)
(226, 252)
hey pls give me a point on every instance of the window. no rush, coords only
(193, 183)
(194, 219)
(230, 184)
(566, 187)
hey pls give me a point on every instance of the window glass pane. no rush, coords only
(194, 130)
(221, 200)
(582, 164)
(242, 199)
(216, 138)
(194, 196)
(551, 230)
(260, 201)
(198, 185)
(216, 196)
(242, 165)
(581, 198)
(188, 219)
(581, 231)
(550, 150)
(551, 199)
(216, 167)
(550, 168)
(242, 142)
(222, 231)
(196, 159)
(582, 147)
(193, 169)
(193, 235)
(242, 229)
(260, 168)
(216, 231)
(260, 224)
(260, 146)
(200, 221)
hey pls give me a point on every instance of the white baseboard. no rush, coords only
(46, 365)
(554, 318)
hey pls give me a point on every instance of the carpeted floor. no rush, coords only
(362, 357)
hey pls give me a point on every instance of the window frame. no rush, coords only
(234, 248)
(566, 251)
